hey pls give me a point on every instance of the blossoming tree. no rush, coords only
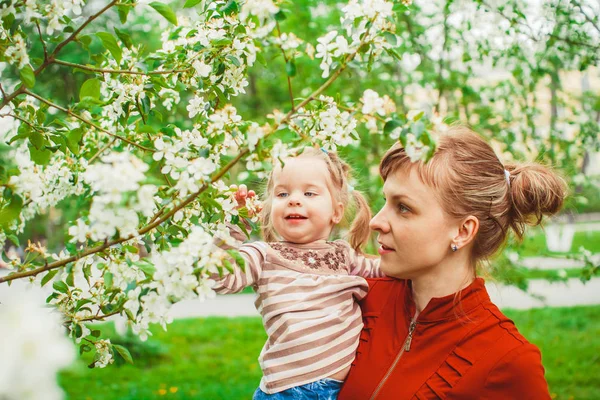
(156, 106)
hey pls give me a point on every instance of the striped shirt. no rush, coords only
(307, 295)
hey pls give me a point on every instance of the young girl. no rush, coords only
(307, 286)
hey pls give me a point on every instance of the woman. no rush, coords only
(431, 331)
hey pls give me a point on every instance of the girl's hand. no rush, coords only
(242, 194)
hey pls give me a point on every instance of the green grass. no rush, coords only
(534, 243)
(216, 358)
(569, 339)
(212, 358)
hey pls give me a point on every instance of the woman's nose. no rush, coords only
(379, 223)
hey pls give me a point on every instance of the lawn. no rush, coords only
(215, 358)
(534, 244)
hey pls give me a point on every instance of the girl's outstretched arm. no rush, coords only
(364, 265)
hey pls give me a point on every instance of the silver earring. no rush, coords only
(454, 247)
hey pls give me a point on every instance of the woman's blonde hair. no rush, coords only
(340, 173)
(469, 179)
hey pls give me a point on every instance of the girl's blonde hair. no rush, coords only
(469, 179)
(340, 173)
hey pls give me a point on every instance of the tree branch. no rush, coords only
(119, 71)
(90, 123)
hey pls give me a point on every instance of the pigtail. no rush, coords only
(359, 230)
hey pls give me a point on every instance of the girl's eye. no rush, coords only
(310, 194)
(282, 194)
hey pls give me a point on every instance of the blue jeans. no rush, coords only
(323, 389)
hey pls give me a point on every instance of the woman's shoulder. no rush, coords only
(381, 290)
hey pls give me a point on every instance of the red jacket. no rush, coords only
(465, 350)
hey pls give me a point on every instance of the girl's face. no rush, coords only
(303, 209)
(415, 233)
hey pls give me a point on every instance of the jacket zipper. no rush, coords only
(404, 348)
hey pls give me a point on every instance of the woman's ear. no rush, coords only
(338, 212)
(467, 230)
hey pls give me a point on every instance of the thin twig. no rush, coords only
(90, 123)
(37, 24)
(289, 79)
(119, 71)
(110, 143)
(22, 120)
(100, 317)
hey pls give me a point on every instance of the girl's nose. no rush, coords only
(294, 201)
(379, 223)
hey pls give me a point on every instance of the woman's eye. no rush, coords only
(403, 209)
(282, 194)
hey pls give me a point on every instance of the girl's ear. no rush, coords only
(338, 212)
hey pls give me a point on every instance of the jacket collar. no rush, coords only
(450, 307)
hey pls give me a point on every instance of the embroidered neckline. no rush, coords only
(331, 260)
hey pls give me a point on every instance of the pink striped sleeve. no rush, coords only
(233, 282)
(364, 265)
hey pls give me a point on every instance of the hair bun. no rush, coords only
(535, 191)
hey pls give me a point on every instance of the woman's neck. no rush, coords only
(443, 280)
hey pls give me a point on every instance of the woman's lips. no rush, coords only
(384, 250)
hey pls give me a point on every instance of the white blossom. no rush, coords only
(33, 346)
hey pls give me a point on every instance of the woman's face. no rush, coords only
(415, 233)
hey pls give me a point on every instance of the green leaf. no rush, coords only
(95, 333)
(27, 76)
(227, 264)
(390, 38)
(84, 348)
(123, 352)
(90, 88)
(280, 16)
(191, 3)
(74, 140)
(110, 43)
(60, 286)
(37, 139)
(390, 126)
(85, 40)
(239, 260)
(230, 8)
(108, 279)
(261, 59)
(81, 303)
(49, 276)
(41, 156)
(165, 11)
(123, 13)
(125, 38)
(13, 238)
(10, 212)
(290, 68)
